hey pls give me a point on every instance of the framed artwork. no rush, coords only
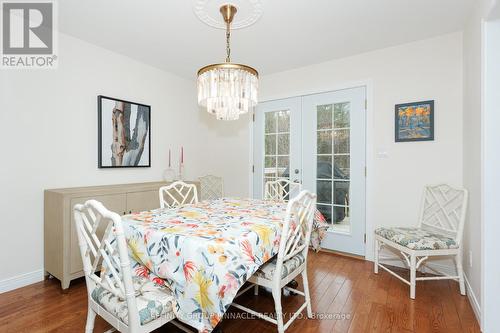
(414, 121)
(124, 133)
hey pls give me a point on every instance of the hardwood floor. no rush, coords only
(345, 291)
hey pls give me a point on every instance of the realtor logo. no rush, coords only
(28, 34)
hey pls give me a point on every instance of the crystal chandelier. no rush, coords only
(227, 89)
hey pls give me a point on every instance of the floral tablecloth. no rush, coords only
(205, 252)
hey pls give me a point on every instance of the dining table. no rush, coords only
(205, 252)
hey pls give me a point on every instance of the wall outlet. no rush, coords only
(470, 259)
(382, 153)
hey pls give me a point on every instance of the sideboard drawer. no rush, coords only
(141, 201)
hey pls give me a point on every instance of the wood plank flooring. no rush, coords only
(346, 295)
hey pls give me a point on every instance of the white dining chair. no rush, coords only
(129, 303)
(290, 262)
(211, 187)
(177, 194)
(281, 189)
(438, 233)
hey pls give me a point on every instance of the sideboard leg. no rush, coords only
(65, 286)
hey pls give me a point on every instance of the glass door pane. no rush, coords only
(332, 167)
(277, 142)
(277, 147)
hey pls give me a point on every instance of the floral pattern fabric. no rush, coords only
(153, 301)
(205, 252)
(417, 238)
(267, 271)
(320, 226)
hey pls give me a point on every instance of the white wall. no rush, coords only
(472, 156)
(481, 54)
(428, 69)
(49, 139)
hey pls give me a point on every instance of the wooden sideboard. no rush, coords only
(61, 251)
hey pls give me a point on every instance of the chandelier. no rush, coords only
(227, 89)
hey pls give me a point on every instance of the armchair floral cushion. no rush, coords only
(417, 238)
(267, 271)
(153, 301)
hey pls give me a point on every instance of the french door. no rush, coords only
(318, 140)
(277, 142)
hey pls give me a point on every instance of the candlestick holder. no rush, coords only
(169, 175)
(180, 175)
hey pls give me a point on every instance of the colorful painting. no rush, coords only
(415, 121)
(124, 133)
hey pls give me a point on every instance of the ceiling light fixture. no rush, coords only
(227, 89)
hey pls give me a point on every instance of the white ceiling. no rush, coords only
(291, 33)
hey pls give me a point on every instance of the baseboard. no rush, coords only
(473, 300)
(21, 280)
(343, 254)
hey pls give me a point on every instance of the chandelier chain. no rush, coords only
(228, 42)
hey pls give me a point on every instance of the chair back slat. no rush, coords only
(443, 210)
(178, 194)
(104, 253)
(297, 228)
(212, 187)
(281, 189)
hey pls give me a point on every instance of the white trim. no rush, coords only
(490, 270)
(482, 183)
(473, 299)
(21, 280)
(370, 162)
(482, 192)
(299, 93)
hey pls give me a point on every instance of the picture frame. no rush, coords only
(414, 121)
(124, 133)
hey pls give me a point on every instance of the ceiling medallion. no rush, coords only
(249, 12)
(227, 89)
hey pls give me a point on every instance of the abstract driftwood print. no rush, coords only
(124, 134)
(415, 121)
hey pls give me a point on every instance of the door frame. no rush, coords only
(369, 149)
(490, 49)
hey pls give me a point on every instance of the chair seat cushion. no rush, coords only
(153, 301)
(267, 270)
(417, 238)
